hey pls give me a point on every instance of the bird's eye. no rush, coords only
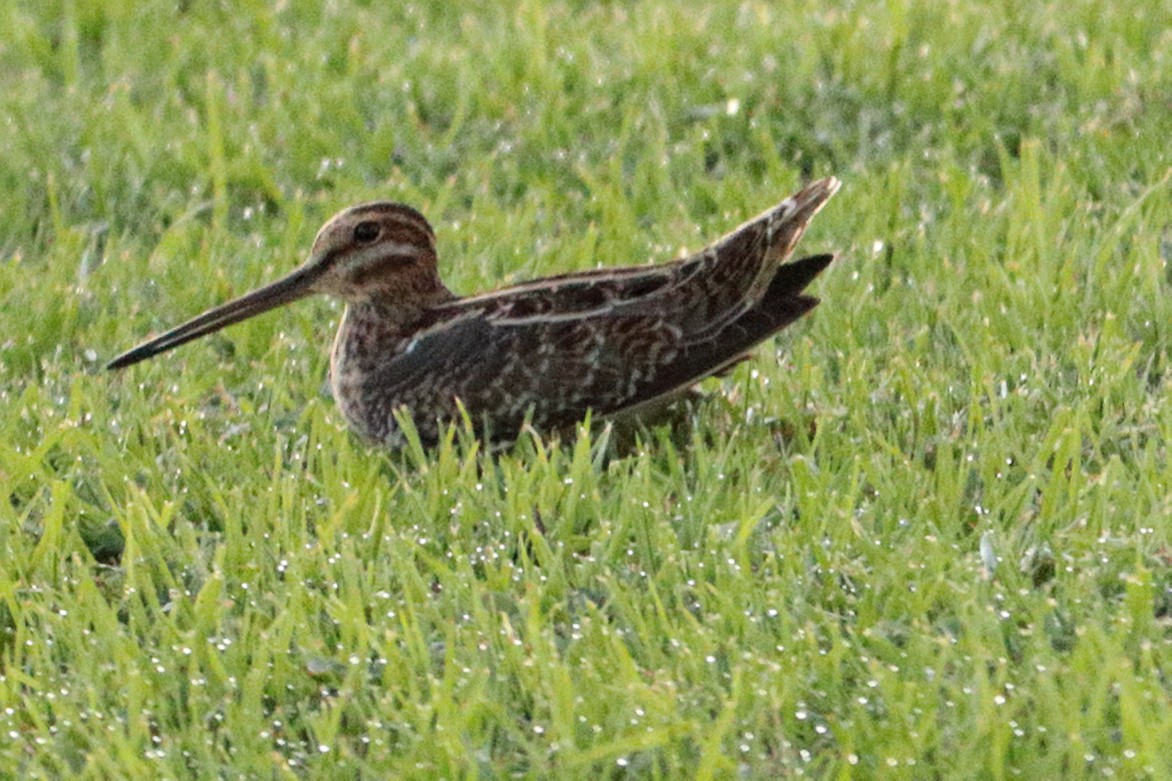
(366, 232)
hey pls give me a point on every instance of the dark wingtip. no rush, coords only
(793, 277)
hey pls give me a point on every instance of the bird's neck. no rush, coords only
(393, 310)
(372, 333)
(372, 329)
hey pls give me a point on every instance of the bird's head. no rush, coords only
(379, 253)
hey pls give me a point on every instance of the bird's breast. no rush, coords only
(361, 374)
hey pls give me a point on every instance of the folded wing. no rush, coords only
(556, 370)
(609, 341)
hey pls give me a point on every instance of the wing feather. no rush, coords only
(606, 340)
(553, 371)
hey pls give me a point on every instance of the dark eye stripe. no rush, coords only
(409, 234)
(409, 221)
(332, 256)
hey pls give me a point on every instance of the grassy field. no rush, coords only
(925, 534)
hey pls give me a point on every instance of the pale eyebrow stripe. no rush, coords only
(372, 254)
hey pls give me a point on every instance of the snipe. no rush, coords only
(612, 340)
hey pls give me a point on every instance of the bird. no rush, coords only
(614, 342)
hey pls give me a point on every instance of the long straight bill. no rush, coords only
(296, 285)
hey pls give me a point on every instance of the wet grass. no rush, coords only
(925, 534)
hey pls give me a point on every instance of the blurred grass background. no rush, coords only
(926, 534)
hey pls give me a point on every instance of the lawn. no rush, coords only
(925, 533)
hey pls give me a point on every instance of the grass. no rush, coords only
(926, 534)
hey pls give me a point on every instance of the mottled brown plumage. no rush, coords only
(611, 340)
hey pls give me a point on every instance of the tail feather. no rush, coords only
(793, 278)
(782, 304)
